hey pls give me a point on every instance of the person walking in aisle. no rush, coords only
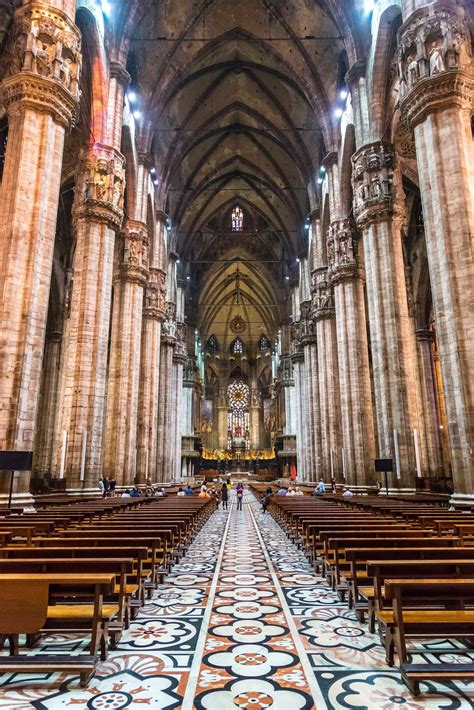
(224, 496)
(240, 495)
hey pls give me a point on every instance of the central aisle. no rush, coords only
(241, 622)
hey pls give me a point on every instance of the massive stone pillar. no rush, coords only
(437, 97)
(254, 416)
(179, 360)
(130, 278)
(297, 359)
(431, 411)
(40, 92)
(97, 215)
(166, 402)
(347, 277)
(327, 404)
(338, 250)
(379, 212)
(98, 211)
(149, 394)
(222, 417)
(47, 415)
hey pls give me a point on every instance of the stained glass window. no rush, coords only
(238, 395)
(237, 219)
(212, 345)
(237, 347)
(264, 344)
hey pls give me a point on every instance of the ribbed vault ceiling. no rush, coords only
(237, 104)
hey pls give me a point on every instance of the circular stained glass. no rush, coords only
(238, 394)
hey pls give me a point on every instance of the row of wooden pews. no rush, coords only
(406, 569)
(87, 569)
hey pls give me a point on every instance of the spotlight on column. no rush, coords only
(132, 96)
(343, 94)
(106, 7)
(153, 171)
(297, 260)
(369, 6)
(137, 115)
(338, 112)
(320, 181)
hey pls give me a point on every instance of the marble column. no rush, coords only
(347, 278)
(41, 102)
(379, 213)
(153, 316)
(164, 453)
(297, 359)
(254, 416)
(436, 100)
(98, 212)
(324, 315)
(222, 417)
(47, 413)
(97, 217)
(433, 421)
(130, 279)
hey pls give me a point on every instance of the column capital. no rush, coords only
(160, 215)
(330, 159)
(43, 63)
(425, 334)
(434, 59)
(103, 183)
(133, 260)
(343, 252)
(307, 333)
(322, 295)
(54, 336)
(118, 71)
(314, 215)
(373, 183)
(357, 71)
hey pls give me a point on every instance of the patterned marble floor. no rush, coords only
(241, 622)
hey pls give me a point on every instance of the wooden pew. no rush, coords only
(139, 555)
(25, 603)
(402, 621)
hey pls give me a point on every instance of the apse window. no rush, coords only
(237, 347)
(237, 219)
(212, 345)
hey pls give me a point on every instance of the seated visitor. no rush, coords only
(282, 492)
(126, 493)
(347, 492)
(160, 492)
(320, 488)
(188, 490)
(135, 493)
(180, 492)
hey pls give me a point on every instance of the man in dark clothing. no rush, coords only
(224, 496)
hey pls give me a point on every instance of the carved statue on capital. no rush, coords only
(322, 296)
(45, 42)
(155, 295)
(41, 66)
(433, 44)
(345, 261)
(103, 179)
(373, 182)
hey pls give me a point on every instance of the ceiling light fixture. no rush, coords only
(338, 112)
(137, 115)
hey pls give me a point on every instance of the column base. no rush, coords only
(462, 499)
(19, 500)
(82, 492)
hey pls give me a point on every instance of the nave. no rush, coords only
(241, 621)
